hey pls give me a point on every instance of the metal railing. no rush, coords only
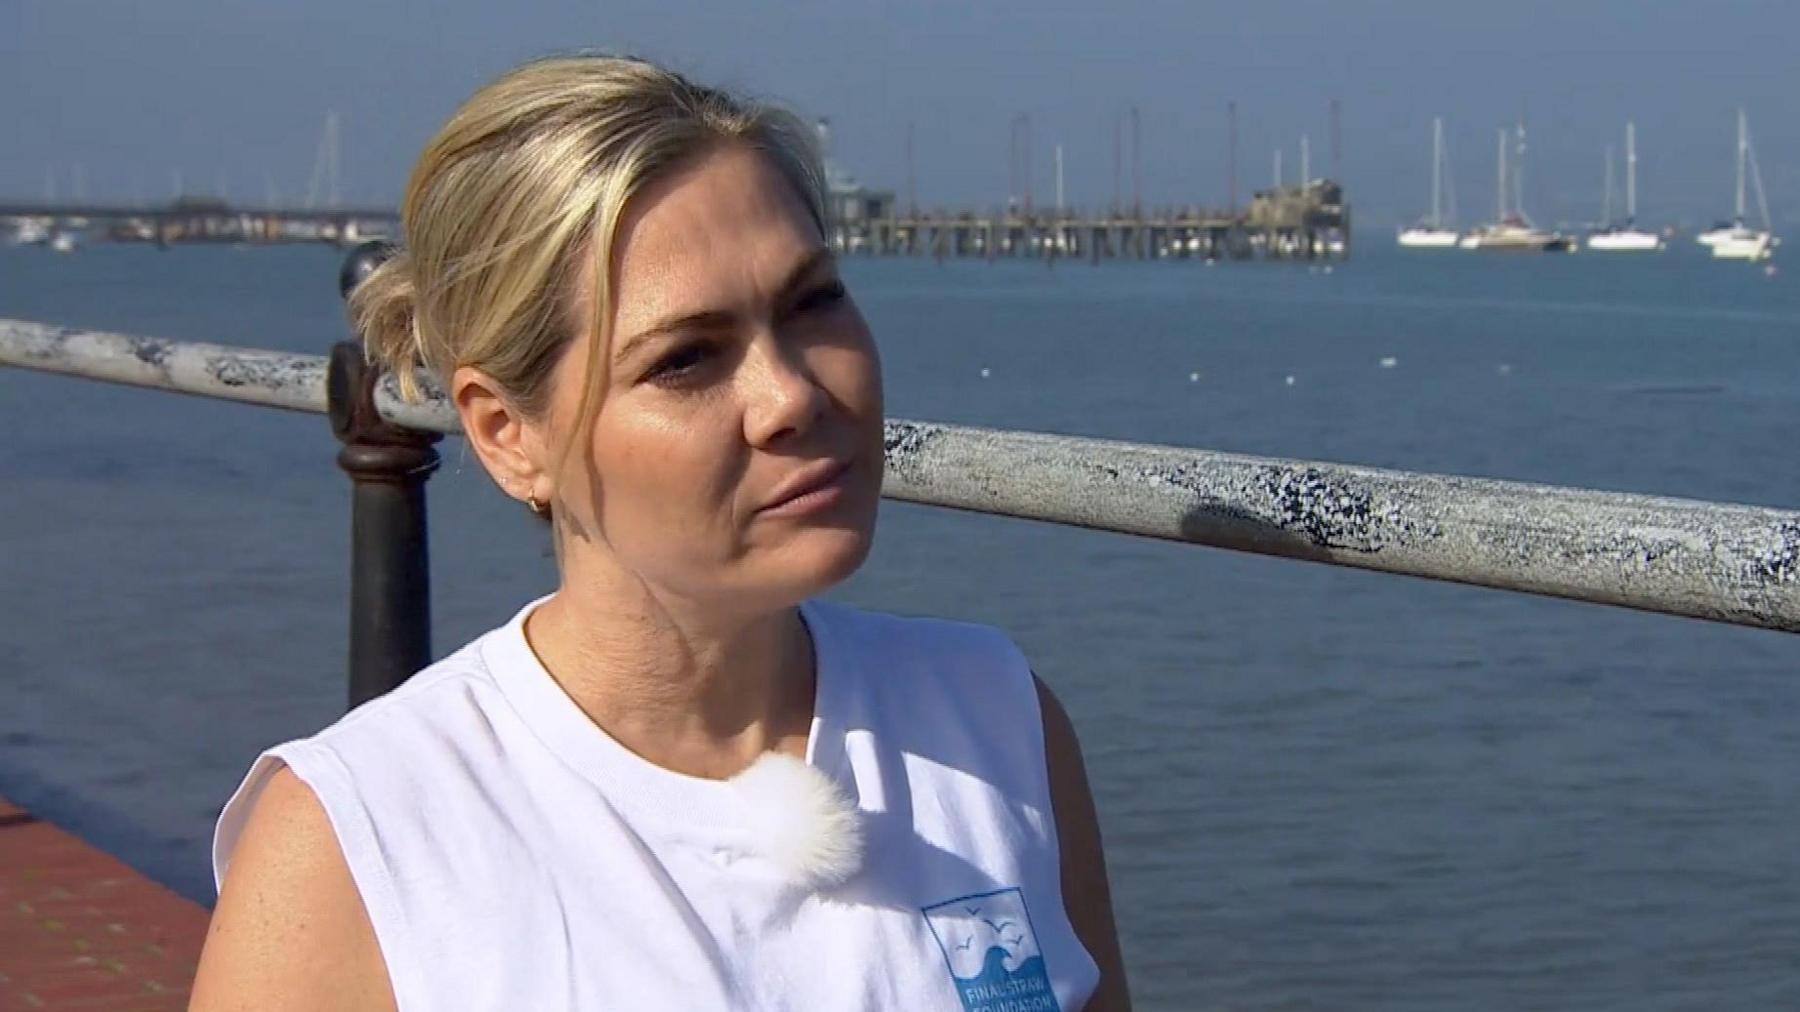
(1724, 562)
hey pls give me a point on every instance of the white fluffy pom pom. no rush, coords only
(802, 821)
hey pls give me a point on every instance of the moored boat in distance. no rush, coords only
(1512, 231)
(1739, 241)
(1516, 235)
(30, 232)
(1743, 243)
(1625, 240)
(1715, 235)
(1426, 237)
(1628, 238)
(1432, 233)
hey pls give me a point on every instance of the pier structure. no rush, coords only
(199, 220)
(1296, 221)
(1302, 222)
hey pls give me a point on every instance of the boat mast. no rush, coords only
(1437, 164)
(1501, 215)
(1762, 200)
(1606, 217)
(1630, 173)
(1518, 178)
(1449, 187)
(1743, 152)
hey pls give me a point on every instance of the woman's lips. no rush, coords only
(813, 488)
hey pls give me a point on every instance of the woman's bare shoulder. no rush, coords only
(1087, 895)
(290, 930)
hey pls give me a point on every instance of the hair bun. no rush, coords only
(384, 311)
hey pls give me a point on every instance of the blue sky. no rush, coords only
(235, 94)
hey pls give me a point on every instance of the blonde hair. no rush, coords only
(530, 175)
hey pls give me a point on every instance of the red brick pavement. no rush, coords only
(80, 931)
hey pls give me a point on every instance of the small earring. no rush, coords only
(536, 507)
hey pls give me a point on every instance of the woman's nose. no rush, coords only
(783, 398)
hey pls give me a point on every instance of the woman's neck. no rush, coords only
(689, 689)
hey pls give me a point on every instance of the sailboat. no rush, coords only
(1512, 231)
(1431, 233)
(30, 231)
(1738, 241)
(1630, 238)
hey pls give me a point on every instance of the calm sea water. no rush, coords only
(1320, 789)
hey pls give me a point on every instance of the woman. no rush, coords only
(677, 782)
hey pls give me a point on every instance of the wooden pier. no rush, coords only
(1294, 222)
(198, 220)
(1299, 222)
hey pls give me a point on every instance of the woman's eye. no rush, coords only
(679, 365)
(824, 296)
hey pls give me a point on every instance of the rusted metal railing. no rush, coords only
(1717, 561)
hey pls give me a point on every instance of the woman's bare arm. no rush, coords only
(290, 931)
(1086, 895)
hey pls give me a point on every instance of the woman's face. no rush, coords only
(736, 457)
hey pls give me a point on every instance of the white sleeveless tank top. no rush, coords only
(512, 855)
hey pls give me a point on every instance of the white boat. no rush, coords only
(1627, 238)
(64, 240)
(1715, 235)
(1739, 241)
(1515, 234)
(1425, 237)
(1512, 231)
(30, 232)
(1431, 233)
(1744, 244)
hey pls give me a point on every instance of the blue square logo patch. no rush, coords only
(992, 952)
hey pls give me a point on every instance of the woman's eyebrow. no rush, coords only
(707, 318)
(819, 256)
(702, 319)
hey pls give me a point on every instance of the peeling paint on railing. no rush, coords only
(1727, 562)
(1730, 563)
(270, 378)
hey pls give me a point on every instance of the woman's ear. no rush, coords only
(508, 443)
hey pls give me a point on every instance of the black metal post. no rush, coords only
(390, 570)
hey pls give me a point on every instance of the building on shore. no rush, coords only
(854, 208)
(1305, 220)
